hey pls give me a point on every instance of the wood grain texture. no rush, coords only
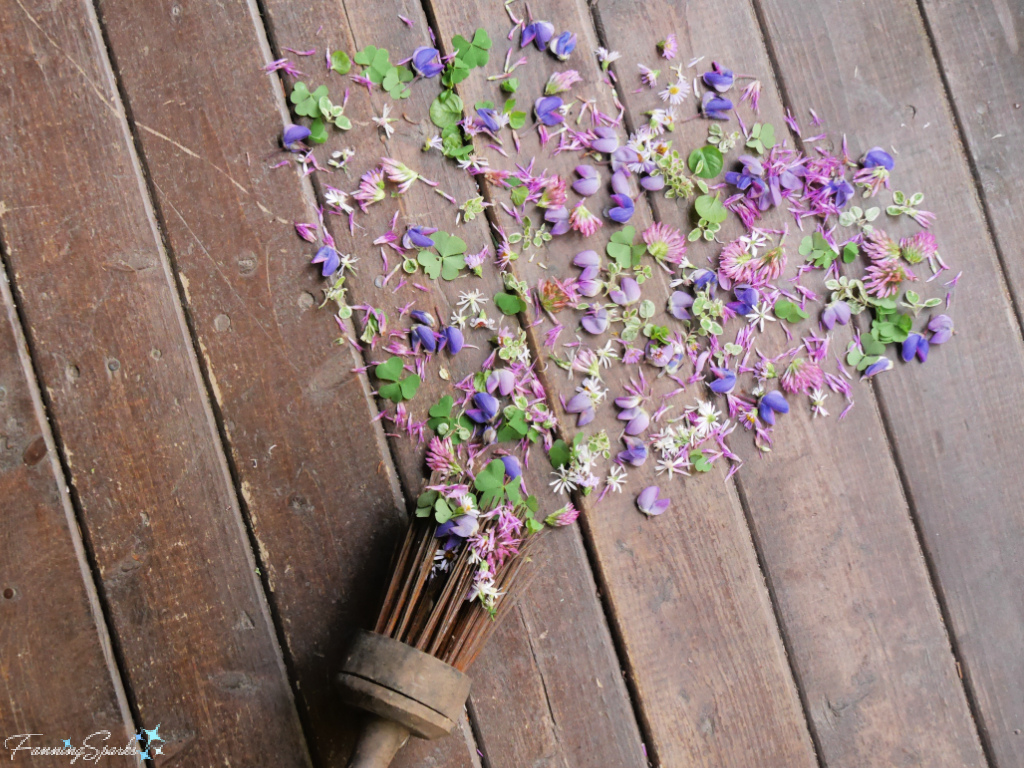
(832, 527)
(123, 388)
(871, 75)
(685, 589)
(50, 618)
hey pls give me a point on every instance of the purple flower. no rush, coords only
(876, 157)
(578, 403)
(589, 284)
(486, 410)
(607, 140)
(623, 210)
(842, 190)
(725, 381)
(649, 503)
(746, 299)
(424, 318)
(658, 355)
(623, 157)
(424, 336)
(539, 33)
(653, 183)
(770, 404)
(678, 304)
(941, 327)
(587, 259)
(620, 182)
(627, 293)
(417, 237)
(882, 364)
(547, 108)
(503, 380)
(627, 402)
(589, 181)
(490, 118)
(512, 467)
(453, 338)
(559, 218)
(595, 321)
(715, 107)
(427, 61)
(719, 78)
(704, 278)
(329, 258)
(915, 345)
(640, 421)
(563, 45)
(837, 312)
(635, 453)
(293, 134)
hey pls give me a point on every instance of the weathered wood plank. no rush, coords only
(50, 618)
(871, 75)
(131, 417)
(226, 38)
(685, 589)
(832, 527)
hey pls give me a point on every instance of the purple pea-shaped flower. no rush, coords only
(587, 259)
(422, 336)
(627, 293)
(678, 305)
(486, 410)
(635, 453)
(771, 403)
(452, 338)
(649, 503)
(503, 380)
(563, 45)
(329, 257)
(589, 180)
(423, 318)
(539, 33)
(427, 61)
(293, 134)
(724, 381)
(941, 327)
(607, 140)
(595, 321)
(547, 109)
(915, 345)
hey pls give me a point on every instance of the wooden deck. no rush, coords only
(197, 507)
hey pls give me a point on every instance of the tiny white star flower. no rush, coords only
(615, 478)
(346, 261)
(607, 57)
(471, 299)
(818, 402)
(458, 320)
(673, 466)
(606, 354)
(563, 482)
(433, 143)
(384, 121)
(761, 313)
(592, 386)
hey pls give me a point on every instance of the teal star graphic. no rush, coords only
(144, 756)
(154, 735)
(67, 743)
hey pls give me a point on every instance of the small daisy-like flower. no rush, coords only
(818, 402)
(471, 299)
(761, 313)
(666, 245)
(648, 76)
(458, 320)
(583, 221)
(384, 121)
(592, 387)
(606, 57)
(676, 465)
(371, 188)
(802, 375)
(606, 354)
(337, 199)
(433, 142)
(675, 93)
(878, 246)
(615, 478)
(563, 482)
(707, 417)
(886, 277)
(919, 247)
(668, 48)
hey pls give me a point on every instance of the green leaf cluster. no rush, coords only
(510, 303)
(380, 70)
(790, 312)
(444, 424)
(449, 259)
(399, 388)
(890, 326)
(710, 215)
(762, 137)
(468, 54)
(623, 250)
(490, 482)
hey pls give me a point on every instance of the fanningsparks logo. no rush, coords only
(146, 745)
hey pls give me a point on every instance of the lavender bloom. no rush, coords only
(746, 299)
(620, 182)
(559, 218)
(658, 355)
(837, 312)
(627, 293)
(606, 142)
(883, 364)
(512, 466)
(941, 327)
(623, 210)
(503, 380)
(915, 345)
(770, 404)
(596, 321)
(725, 381)
(624, 157)
(453, 338)
(627, 402)
(635, 453)
(329, 258)
(579, 403)
(293, 134)
(678, 305)
(653, 183)
(753, 170)
(587, 259)
(417, 237)
(563, 45)
(539, 33)
(490, 118)
(588, 283)
(878, 157)
(547, 109)
(424, 336)
(427, 61)
(705, 278)
(638, 423)
(715, 107)
(589, 181)
(842, 190)
(719, 78)
(649, 503)
(423, 318)
(486, 410)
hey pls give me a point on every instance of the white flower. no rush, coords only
(338, 199)
(606, 354)
(346, 261)
(592, 386)
(471, 299)
(674, 466)
(818, 402)
(707, 417)
(615, 478)
(433, 143)
(666, 442)
(563, 482)
(384, 121)
(676, 93)
(607, 57)
(761, 313)
(458, 320)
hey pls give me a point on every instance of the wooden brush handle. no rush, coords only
(378, 742)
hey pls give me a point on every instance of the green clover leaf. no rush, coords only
(559, 455)
(340, 62)
(391, 370)
(510, 303)
(307, 104)
(710, 209)
(706, 161)
(446, 109)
